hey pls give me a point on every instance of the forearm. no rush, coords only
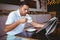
(37, 24)
(11, 26)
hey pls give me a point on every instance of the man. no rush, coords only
(17, 19)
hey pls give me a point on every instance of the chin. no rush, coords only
(23, 14)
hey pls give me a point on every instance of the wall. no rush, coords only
(14, 7)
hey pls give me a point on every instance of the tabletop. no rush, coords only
(23, 38)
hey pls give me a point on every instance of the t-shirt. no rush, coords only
(13, 17)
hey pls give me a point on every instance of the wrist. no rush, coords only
(18, 22)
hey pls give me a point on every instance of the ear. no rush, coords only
(20, 7)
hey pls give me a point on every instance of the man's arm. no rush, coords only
(12, 26)
(37, 24)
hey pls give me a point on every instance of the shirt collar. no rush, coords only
(18, 12)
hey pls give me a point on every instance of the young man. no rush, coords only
(17, 19)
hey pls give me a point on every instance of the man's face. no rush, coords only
(24, 10)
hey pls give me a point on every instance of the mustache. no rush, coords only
(23, 14)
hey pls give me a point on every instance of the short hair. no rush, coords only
(23, 3)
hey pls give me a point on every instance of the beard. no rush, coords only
(23, 14)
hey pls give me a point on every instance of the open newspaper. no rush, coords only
(49, 25)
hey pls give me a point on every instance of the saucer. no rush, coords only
(31, 30)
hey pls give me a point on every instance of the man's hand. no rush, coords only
(23, 20)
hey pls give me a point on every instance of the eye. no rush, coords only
(25, 9)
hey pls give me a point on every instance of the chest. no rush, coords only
(19, 18)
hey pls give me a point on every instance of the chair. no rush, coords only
(44, 32)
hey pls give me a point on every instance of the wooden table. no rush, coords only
(24, 38)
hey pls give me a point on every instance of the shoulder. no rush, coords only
(12, 13)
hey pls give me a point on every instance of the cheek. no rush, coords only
(24, 11)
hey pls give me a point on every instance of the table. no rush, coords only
(24, 38)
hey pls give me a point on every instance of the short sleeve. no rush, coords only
(10, 18)
(29, 18)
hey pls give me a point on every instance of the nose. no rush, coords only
(26, 10)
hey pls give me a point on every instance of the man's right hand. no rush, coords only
(23, 20)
